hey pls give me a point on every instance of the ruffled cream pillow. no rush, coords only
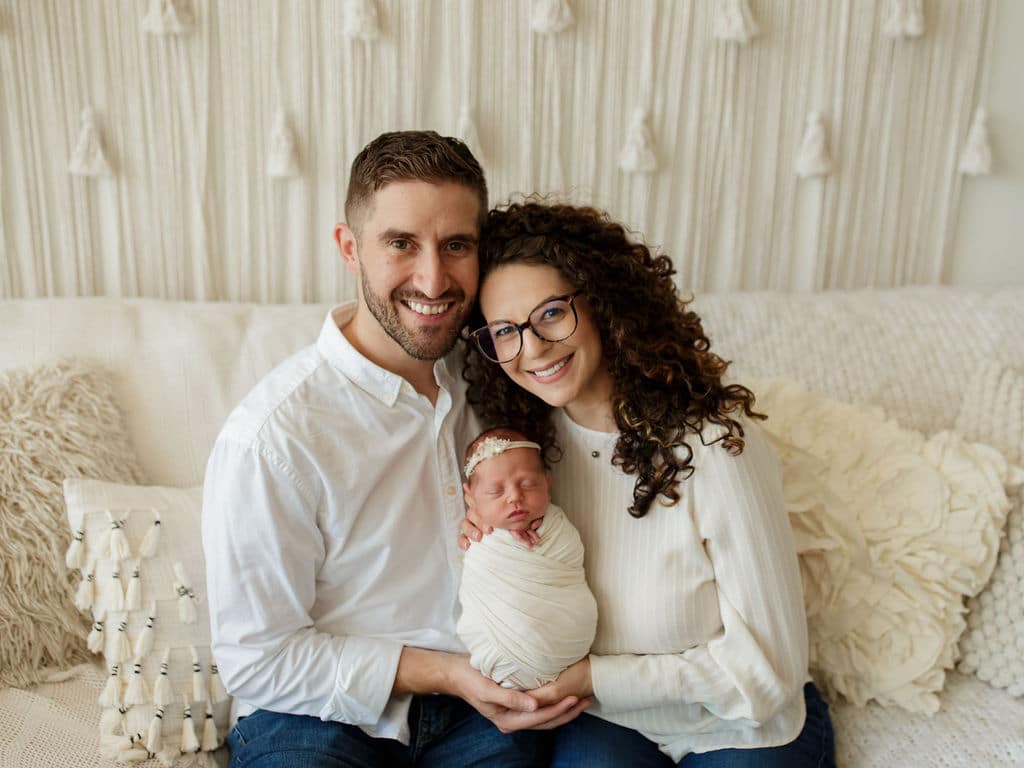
(993, 646)
(894, 531)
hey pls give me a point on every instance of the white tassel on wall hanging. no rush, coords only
(112, 721)
(162, 695)
(96, 637)
(905, 19)
(466, 130)
(86, 593)
(637, 155)
(110, 696)
(88, 159)
(217, 692)
(114, 595)
(549, 17)
(154, 735)
(133, 596)
(144, 642)
(152, 538)
(138, 691)
(122, 650)
(198, 688)
(118, 543)
(360, 21)
(75, 556)
(209, 741)
(734, 21)
(976, 158)
(186, 597)
(189, 742)
(282, 157)
(113, 746)
(813, 158)
(165, 18)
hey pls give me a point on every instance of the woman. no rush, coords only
(701, 647)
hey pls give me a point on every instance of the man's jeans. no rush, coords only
(445, 732)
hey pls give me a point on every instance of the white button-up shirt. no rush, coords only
(330, 516)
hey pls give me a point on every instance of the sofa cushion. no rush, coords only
(893, 531)
(149, 615)
(993, 646)
(56, 421)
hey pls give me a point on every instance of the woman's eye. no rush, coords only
(552, 313)
(501, 332)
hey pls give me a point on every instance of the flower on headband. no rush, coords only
(490, 447)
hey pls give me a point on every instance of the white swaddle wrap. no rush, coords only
(527, 614)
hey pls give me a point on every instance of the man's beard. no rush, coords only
(423, 344)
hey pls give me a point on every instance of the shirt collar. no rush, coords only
(367, 375)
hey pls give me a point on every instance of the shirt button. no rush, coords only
(450, 490)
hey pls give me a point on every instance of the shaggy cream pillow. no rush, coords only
(993, 646)
(56, 421)
(893, 530)
(144, 588)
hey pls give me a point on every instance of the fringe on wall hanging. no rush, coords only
(162, 695)
(165, 18)
(86, 594)
(144, 642)
(151, 541)
(813, 159)
(361, 21)
(904, 19)
(734, 21)
(75, 556)
(189, 742)
(88, 159)
(282, 156)
(976, 158)
(186, 597)
(549, 17)
(637, 155)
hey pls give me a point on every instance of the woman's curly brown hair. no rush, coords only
(667, 384)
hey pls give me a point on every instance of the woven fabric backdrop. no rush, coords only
(186, 123)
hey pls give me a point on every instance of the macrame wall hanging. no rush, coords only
(282, 154)
(466, 128)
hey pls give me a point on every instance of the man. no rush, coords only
(333, 498)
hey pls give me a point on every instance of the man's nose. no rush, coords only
(431, 276)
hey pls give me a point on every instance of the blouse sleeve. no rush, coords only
(757, 661)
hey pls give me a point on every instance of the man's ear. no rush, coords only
(347, 246)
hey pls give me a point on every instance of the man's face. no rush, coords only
(416, 257)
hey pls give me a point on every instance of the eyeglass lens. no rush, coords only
(551, 321)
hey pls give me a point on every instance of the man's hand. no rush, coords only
(422, 671)
(574, 682)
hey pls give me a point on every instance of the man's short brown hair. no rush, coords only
(410, 156)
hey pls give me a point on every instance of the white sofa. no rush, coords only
(180, 367)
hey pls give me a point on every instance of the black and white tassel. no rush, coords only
(119, 548)
(96, 637)
(217, 690)
(86, 594)
(189, 742)
(136, 751)
(162, 694)
(198, 688)
(75, 556)
(734, 21)
(360, 21)
(186, 597)
(122, 650)
(905, 19)
(210, 741)
(114, 598)
(151, 541)
(976, 158)
(154, 740)
(112, 721)
(133, 596)
(112, 746)
(164, 18)
(549, 17)
(88, 159)
(144, 642)
(110, 696)
(813, 158)
(138, 691)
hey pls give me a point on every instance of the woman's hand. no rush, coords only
(574, 681)
(508, 709)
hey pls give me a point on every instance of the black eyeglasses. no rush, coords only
(551, 320)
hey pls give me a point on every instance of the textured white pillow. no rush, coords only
(993, 646)
(893, 531)
(144, 585)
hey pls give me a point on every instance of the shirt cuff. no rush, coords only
(612, 688)
(365, 677)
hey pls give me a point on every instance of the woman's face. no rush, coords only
(570, 373)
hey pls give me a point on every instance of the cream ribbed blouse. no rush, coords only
(701, 636)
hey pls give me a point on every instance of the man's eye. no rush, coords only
(399, 243)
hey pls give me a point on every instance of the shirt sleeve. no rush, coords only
(263, 550)
(757, 661)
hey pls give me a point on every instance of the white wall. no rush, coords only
(186, 122)
(989, 245)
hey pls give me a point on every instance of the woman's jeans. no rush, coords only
(445, 732)
(595, 743)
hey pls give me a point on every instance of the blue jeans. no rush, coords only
(445, 731)
(595, 743)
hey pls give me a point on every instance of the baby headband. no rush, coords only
(490, 447)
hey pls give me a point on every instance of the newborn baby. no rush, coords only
(527, 613)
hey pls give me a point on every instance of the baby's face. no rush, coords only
(510, 490)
